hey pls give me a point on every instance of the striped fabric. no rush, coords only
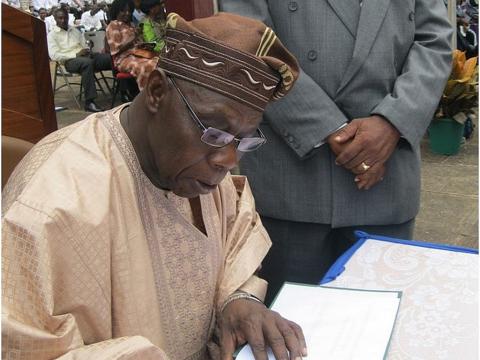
(233, 55)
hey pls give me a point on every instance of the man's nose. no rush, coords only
(225, 157)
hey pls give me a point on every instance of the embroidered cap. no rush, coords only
(236, 56)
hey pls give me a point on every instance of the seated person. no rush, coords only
(67, 45)
(66, 7)
(45, 4)
(89, 20)
(124, 236)
(125, 44)
(137, 14)
(50, 22)
(102, 14)
(42, 14)
(75, 7)
(16, 4)
(153, 24)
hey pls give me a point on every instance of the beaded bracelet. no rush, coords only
(239, 295)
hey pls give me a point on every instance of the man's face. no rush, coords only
(94, 9)
(124, 15)
(42, 14)
(61, 18)
(188, 166)
(65, 7)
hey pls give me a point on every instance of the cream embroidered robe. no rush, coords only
(97, 263)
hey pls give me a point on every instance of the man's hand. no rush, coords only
(370, 177)
(83, 52)
(371, 140)
(249, 321)
(365, 179)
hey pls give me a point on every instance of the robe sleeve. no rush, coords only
(56, 304)
(246, 241)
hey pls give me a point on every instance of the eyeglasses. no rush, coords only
(219, 138)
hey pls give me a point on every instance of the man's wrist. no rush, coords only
(239, 295)
(389, 122)
(327, 139)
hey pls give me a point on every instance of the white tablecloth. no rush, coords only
(438, 316)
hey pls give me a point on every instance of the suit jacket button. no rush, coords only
(292, 6)
(411, 16)
(290, 139)
(312, 55)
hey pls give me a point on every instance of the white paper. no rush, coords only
(338, 324)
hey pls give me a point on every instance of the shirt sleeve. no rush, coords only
(246, 241)
(307, 115)
(412, 102)
(53, 49)
(150, 36)
(55, 305)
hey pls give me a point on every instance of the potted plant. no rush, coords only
(459, 97)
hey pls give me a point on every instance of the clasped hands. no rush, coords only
(363, 146)
(250, 321)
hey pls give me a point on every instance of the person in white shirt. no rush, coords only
(137, 15)
(50, 20)
(67, 45)
(90, 20)
(42, 14)
(102, 15)
(46, 4)
(14, 3)
(64, 4)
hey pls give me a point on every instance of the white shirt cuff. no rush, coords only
(323, 141)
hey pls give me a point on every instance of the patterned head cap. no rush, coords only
(230, 54)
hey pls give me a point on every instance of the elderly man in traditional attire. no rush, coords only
(125, 237)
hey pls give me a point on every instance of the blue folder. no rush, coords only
(339, 266)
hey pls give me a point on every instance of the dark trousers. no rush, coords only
(86, 67)
(303, 252)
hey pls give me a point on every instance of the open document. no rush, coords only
(338, 323)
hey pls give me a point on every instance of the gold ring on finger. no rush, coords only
(364, 166)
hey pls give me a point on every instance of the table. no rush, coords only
(438, 316)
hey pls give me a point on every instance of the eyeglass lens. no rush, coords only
(219, 138)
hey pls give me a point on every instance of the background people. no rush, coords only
(124, 43)
(67, 45)
(153, 24)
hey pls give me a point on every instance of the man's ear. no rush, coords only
(156, 90)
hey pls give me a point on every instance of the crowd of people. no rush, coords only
(467, 27)
(131, 46)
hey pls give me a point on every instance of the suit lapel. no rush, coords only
(348, 11)
(371, 18)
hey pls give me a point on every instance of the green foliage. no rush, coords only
(460, 94)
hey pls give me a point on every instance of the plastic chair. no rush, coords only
(97, 40)
(65, 75)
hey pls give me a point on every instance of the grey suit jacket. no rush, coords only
(388, 57)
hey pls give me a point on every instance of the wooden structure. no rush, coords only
(28, 110)
(190, 9)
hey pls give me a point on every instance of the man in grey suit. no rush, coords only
(343, 146)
